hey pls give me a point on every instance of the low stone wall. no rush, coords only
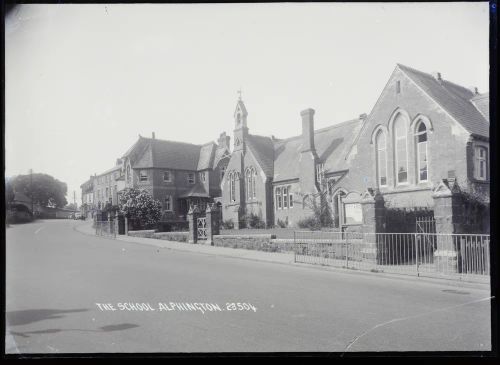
(258, 242)
(172, 236)
(146, 233)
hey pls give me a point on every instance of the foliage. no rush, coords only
(9, 192)
(282, 224)
(311, 222)
(71, 206)
(321, 209)
(253, 221)
(45, 189)
(140, 206)
(228, 224)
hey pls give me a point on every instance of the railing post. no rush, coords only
(416, 253)
(346, 250)
(294, 248)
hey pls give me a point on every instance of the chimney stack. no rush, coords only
(224, 141)
(307, 130)
(362, 116)
(474, 89)
(437, 76)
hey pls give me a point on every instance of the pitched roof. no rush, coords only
(263, 149)
(453, 98)
(207, 154)
(157, 153)
(482, 103)
(332, 145)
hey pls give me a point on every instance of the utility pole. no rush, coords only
(74, 198)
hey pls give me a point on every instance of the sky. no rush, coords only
(84, 81)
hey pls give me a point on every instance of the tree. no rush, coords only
(9, 192)
(318, 203)
(140, 205)
(45, 189)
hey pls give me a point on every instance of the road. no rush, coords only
(56, 276)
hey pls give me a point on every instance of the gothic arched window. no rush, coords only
(422, 158)
(250, 182)
(381, 149)
(400, 149)
(232, 186)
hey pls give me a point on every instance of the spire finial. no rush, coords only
(239, 92)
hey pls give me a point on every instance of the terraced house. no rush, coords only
(425, 136)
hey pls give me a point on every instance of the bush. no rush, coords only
(253, 221)
(282, 224)
(311, 222)
(228, 224)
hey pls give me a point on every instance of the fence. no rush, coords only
(459, 256)
(105, 228)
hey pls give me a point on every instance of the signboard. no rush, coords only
(353, 213)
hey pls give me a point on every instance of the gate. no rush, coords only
(202, 228)
(425, 229)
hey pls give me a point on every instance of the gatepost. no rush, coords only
(126, 226)
(212, 222)
(193, 215)
(372, 203)
(449, 218)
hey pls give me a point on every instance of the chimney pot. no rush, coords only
(362, 116)
(437, 75)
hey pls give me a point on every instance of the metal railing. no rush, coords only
(105, 228)
(461, 256)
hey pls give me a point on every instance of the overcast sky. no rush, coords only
(83, 81)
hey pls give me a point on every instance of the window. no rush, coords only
(232, 186)
(190, 177)
(421, 140)
(481, 163)
(250, 183)
(168, 203)
(143, 175)
(167, 176)
(203, 176)
(107, 193)
(398, 87)
(285, 196)
(290, 197)
(400, 150)
(129, 176)
(381, 147)
(320, 171)
(278, 198)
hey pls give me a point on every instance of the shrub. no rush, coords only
(254, 221)
(282, 224)
(228, 224)
(311, 222)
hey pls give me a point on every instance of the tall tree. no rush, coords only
(45, 189)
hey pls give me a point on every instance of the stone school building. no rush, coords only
(422, 154)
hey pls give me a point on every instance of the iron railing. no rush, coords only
(105, 228)
(462, 256)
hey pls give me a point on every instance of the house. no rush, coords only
(422, 132)
(175, 173)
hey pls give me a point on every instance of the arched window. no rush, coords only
(422, 158)
(232, 186)
(248, 183)
(401, 150)
(381, 147)
(254, 174)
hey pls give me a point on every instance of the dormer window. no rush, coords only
(203, 176)
(167, 176)
(190, 178)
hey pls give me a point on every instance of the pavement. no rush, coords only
(274, 257)
(69, 292)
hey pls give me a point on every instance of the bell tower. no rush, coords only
(240, 125)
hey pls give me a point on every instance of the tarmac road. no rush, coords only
(56, 277)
